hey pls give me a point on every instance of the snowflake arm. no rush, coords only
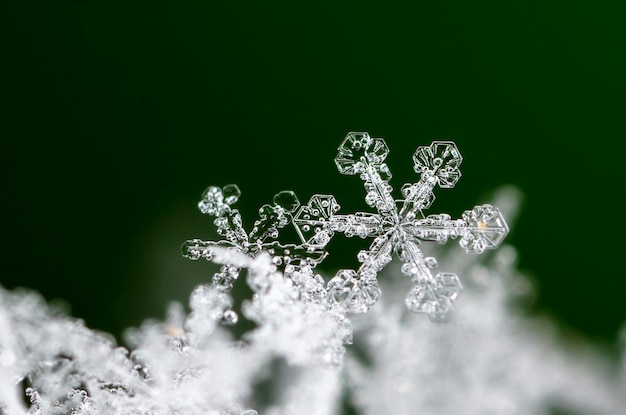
(361, 224)
(376, 256)
(430, 295)
(480, 228)
(294, 254)
(437, 164)
(316, 223)
(363, 155)
(216, 202)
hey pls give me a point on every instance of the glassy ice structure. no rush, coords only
(398, 227)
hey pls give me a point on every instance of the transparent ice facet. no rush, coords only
(231, 193)
(442, 311)
(421, 299)
(356, 295)
(441, 160)
(448, 285)
(352, 149)
(287, 200)
(312, 221)
(485, 228)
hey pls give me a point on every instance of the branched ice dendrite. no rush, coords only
(217, 202)
(399, 227)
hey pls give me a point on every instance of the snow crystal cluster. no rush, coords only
(398, 227)
(313, 351)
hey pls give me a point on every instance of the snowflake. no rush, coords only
(399, 226)
(217, 202)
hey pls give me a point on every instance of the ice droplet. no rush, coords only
(230, 318)
(287, 200)
(231, 193)
(430, 262)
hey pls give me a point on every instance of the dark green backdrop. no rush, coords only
(118, 114)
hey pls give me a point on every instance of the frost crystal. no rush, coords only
(399, 227)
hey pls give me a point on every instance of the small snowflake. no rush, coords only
(399, 227)
(217, 202)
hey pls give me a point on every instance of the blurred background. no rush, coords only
(117, 115)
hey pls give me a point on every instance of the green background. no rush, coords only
(118, 114)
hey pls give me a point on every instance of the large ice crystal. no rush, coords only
(400, 226)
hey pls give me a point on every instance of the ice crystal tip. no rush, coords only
(398, 227)
(358, 150)
(287, 200)
(440, 160)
